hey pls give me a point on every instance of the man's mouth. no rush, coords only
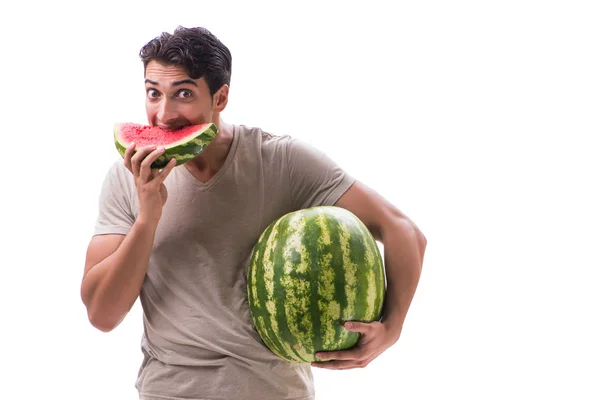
(172, 127)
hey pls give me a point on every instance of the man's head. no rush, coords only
(187, 77)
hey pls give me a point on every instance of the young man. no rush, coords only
(181, 239)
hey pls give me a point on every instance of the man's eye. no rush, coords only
(184, 94)
(152, 93)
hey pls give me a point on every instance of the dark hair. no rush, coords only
(197, 50)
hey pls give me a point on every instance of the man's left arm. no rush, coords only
(404, 248)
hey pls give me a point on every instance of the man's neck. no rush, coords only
(212, 158)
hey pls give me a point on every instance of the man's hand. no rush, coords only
(152, 193)
(375, 338)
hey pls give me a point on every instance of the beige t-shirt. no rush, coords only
(199, 341)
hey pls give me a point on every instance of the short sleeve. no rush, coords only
(115, 212)
(315, 179)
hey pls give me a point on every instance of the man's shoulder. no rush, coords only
(117, 173)
(117, 167)
(265, 139)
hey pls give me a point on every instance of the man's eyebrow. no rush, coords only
(183, 82)
(176, 83)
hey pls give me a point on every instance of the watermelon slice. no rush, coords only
(182, 144)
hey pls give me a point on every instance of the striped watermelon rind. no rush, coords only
(310, 271)
(197, 138)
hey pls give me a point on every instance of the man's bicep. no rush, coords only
(114, 219)
(115, 208)
(100, 248)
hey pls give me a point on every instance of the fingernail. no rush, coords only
(348, 325)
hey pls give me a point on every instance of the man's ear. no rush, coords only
(220, 98)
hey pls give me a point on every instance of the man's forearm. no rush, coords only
(404, 248)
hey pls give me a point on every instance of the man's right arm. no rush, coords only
(115, 269)
(116, 264)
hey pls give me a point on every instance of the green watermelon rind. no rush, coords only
(294, 341)
(182, 150)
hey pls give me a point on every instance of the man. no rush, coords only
(181, 238)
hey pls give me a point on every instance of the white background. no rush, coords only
(478, 119)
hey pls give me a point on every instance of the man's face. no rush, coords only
(174, 100)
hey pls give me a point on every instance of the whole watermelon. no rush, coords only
(311, 271)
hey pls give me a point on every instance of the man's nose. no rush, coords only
(167, 111)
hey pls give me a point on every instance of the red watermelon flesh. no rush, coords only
(182, 144)
(146, 135)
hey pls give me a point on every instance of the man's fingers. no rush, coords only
(340, 355)
(347, 364)
(166, 170)
(358, 327)
(361, 362)
(146, 164)
(138, 157)
(127, 156)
